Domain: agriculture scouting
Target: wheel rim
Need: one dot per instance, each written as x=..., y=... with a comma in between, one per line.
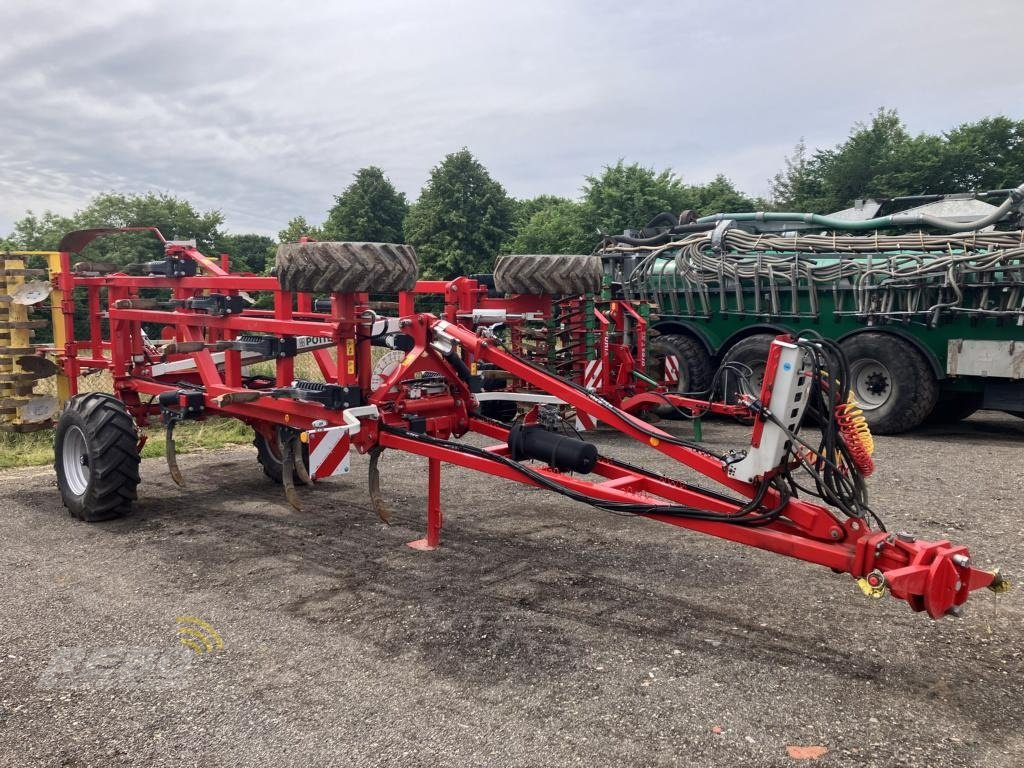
x=872, y=383
x=75, y=461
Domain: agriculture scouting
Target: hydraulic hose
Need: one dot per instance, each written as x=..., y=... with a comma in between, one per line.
x=660, y=239
x=882, y=222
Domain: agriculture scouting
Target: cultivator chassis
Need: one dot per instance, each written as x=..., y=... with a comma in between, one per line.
x=429, y=399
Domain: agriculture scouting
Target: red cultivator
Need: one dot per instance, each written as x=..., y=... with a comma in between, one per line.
x=431, y=386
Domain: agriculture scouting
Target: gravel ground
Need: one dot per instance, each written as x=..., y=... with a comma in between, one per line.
x=542, y=633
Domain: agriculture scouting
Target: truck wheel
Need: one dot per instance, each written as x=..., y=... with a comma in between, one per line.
x=892, y=382
x=687, y=358
x=548, y=273
x=96, y=457
x=269, y=457
x=752, y=353
x=346, y=267
x=954, y=407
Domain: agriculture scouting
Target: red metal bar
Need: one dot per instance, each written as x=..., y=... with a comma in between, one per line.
x=434, y=514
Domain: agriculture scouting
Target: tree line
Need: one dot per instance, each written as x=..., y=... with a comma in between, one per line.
x=463, y=217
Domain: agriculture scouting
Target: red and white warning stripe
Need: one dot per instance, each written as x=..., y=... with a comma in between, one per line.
x=671, y=369
x=592, y=374
x=328, y=452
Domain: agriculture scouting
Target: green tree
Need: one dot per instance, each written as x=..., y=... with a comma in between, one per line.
x=40, y=233
x=628, y=196
x=176, y=219
x=556, y=227
x=881, y=159
x=987, y=154
x=369, y=210
x=299, y=227
x=248, y=252
x=461, y=219
x=718, y=196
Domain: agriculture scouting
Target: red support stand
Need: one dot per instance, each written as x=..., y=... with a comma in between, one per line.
x=434, y=519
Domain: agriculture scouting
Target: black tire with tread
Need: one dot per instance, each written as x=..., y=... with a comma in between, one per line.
x=111, y=443
x=346, y=267
x=695, y=368
x=752, y=352
x=270, y=461
x=915, y=391
x=555, y=274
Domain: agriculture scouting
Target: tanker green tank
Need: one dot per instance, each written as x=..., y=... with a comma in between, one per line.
x=933, y=324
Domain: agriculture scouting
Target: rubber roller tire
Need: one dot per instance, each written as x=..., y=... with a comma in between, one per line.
x=346, y=267
x=96, y=457
x=541, y=274
x=891, y=380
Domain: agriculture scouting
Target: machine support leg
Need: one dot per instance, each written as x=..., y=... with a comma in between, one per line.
x=434, y=518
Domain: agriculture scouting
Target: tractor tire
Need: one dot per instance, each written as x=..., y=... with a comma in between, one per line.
x=891, y=380
x=555, y=274
x=695, y=371
x=346, y=267
x=269, y=458
x=954, y=407
x=96, y=457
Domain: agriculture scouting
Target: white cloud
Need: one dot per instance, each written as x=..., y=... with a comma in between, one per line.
x=265, y=110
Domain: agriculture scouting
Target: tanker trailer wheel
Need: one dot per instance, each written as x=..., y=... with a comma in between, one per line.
x=684, y=359
x=96, y=457
x=537, y=274
x=346, y=267
x=750, y=356
x=269, y=454
x=891, y=380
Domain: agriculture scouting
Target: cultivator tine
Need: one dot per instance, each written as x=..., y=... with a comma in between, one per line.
x=288, y=475
x=376, y=498
x=300, y=466
x=172, y=455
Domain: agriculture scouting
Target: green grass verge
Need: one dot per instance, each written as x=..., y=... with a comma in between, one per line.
x=35, y=448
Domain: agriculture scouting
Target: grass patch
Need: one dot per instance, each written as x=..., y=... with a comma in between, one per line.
x=36, y=448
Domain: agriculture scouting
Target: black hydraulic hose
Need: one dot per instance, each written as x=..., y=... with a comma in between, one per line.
x=665, y=219
x=459, y=365
x=742, y=516
x=660, y=239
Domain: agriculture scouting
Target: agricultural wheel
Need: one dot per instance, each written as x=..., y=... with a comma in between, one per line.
x=548, y=273
x=954, y=407
x=690, y=361
x=346, y=267
x=891, y=380
x=96, y=457
x=269, y=456
x=751, y=353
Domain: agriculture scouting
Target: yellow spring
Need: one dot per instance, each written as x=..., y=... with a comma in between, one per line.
x=854, y=427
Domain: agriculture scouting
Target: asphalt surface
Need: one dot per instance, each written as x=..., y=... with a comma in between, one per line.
x=542, y=633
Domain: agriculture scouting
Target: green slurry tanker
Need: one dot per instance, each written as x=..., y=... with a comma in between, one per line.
x=928, y=303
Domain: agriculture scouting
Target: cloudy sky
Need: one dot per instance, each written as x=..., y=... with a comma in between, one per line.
x=264, y=110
